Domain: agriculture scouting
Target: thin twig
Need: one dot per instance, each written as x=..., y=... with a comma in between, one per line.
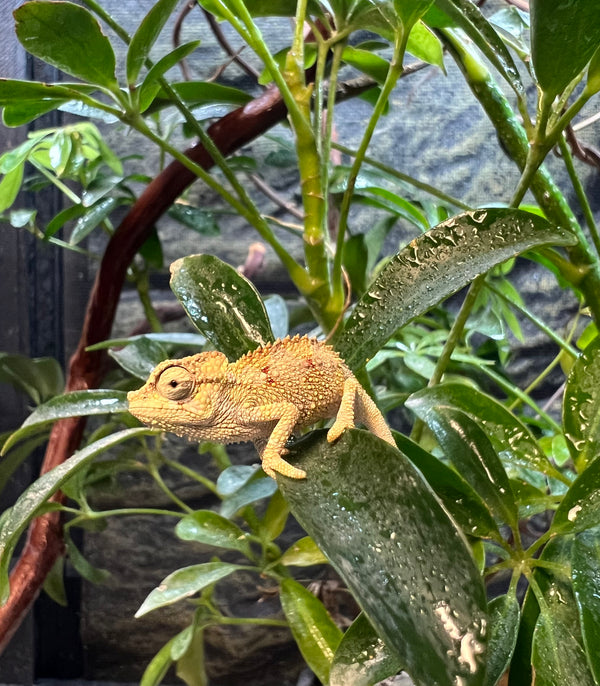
x=185, y=10
x=273, y=195
x=226, y=45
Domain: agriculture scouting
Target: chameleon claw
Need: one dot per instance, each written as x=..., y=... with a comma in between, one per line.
x=275, y=465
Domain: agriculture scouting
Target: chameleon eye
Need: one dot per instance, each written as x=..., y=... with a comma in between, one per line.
x=175, y=383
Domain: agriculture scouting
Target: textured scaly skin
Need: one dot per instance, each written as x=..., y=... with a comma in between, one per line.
x=262, y=397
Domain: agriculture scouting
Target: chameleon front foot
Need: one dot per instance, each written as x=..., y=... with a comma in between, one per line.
x=275, y=465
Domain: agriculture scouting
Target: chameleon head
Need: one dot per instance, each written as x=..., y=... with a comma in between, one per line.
x=182, y=395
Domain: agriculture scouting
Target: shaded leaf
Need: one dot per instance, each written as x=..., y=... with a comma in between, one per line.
x=40, y=377
x=564, y=36
x=580, y=507
x=405, y=561
x=185, y=582
x=205, y=526
x=74, y=404
x=35, y=498
x=585, y=561
x=303, y=553
x=222, y=303
x=275, y=518
x=64, y=34
x=504, y=626
x=313, y=629
x=362, y=658
x=158, y=666
x=190, y=665
x=140, y=357
x=196, y=218
x=12, y=459
x=192, y=340
x=433, y=267
x=581, y=406
x=256, y=489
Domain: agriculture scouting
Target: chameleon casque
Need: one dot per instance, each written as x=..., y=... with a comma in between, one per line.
x=262, y=397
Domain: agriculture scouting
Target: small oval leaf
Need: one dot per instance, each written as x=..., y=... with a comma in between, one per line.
x=436, y=265
x=405, y=561
x=205, y=526
x=303, y=553
x=223, y=304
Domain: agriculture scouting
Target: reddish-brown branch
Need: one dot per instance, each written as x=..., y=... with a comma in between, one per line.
x=44, y=542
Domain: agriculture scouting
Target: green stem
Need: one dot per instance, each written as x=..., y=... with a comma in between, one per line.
x=191, y=474
x=236, y=621
x=142, y=285
x=393, y=74
x=580, y=192
x=166, y=490
x=56, y=181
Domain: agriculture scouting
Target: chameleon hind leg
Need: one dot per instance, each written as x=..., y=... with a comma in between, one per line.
x=357, y=402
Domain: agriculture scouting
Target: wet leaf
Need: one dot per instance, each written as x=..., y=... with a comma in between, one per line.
x=222, y=303
x=303, y=553
x=140, y=357
x=433, y=267
x=405, y=561
x=34, y=499
x=209, y=528
x=471, y=452
x=313, y=629
x=196, y=218
x=362, y=658
x=469, y=510
x=580, y=506
x=585, y=561
x=74, y=404
x=520, y=673
x=515, y=444
x=257, y=488
x=581, y=406
x=185, y=582
x=63, y=35
x=504, y=626
x=564, y=36
x=145, y=36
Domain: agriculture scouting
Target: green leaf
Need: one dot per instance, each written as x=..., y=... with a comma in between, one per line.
x=74, y=404
x=513, y=441
x=434, y=266
x=54, y=584
x=303, y=553
x=196, y=93
x=581, y=406
x=504, y=626
x=593, y=77
x=184, y=583
x=585, y=571
x=222, y=303
x=275, y=518
x=471, y=452
x=94, y=216
x=520, y=673
x=362, y=658
x=564, y=36
x=469, y=510
x=10, y=187
x=205, y=526
x=469, y=18
x=256, y=488
x=159, y=665
x=67, y=37
x=140, y=357
x=404, y=560
x=580, y=506
x=40, y=377
x=313, y=629
x=369, y=63
x=426, y=46
x=410, y=11
x=185, y=340
x=279, y=317
x=92, y=574
x=14, y=91
x=191, y=664
x=196, y=218
x=150, y=86
x=34, y=499
x=12, y=459
x=145, y=37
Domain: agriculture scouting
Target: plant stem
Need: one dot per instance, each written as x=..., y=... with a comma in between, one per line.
x=580, y=192
x=142, y=285
x=393, y=74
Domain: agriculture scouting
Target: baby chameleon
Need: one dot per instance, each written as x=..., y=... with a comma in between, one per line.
x=262, y=397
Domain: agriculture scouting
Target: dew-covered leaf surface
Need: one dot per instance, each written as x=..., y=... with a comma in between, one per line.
x=403, y=558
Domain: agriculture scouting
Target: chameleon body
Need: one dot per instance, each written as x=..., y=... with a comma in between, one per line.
x=262, y=397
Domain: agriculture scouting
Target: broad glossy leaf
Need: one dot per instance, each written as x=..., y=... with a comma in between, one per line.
x=469, y=449
x=405, y=561
x=469, y=18
x=256, y=489
x=33, y=500
x=74, y=404
x=303, y=553
x=469, y=511
x=196, y=93
x=209, y=528
x=68, y=37
x=222, y=303
x=520, y=673
x=185, y=340
x=366, y=61
x=581, y=406
x=564, y=36
x=585, y=570
x=426, y=46
x=200, y=220
x=513, y=441
x=433, y=267
x=145, y=37
x=580, y=506
x=14, y=91
x=94, y=216
x=362, y=658
x=504, y=626
x=185, y=582
x=10, y=187
x=140, y=357
x=313, y=629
